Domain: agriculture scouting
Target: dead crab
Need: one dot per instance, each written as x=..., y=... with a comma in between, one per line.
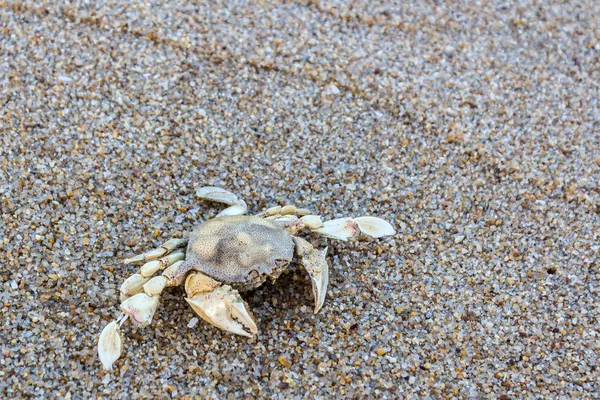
x=227, y=255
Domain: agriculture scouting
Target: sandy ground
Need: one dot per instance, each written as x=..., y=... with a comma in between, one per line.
x=474, y=128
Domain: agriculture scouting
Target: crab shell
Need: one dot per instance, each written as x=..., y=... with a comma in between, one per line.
x=241, y=251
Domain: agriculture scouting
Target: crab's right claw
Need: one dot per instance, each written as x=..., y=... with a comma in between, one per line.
x=224, y=308
x=110, y=345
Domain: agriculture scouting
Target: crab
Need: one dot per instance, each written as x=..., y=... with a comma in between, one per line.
x=225, y=256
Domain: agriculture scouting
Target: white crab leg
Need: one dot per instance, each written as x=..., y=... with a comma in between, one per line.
x=312, y=222
x=217, y=194
x=346, y=228
x=140, y=296
x=341, y=229
x=271, y=211
x=212, y=193
x=238, y=208
x=313, y=260
x=220, y=306
x=141, y=308
x=110, y=343
x=374, y=227
x=164, y=249
x=135, y=283
x=151, y=267
x=290, y=223
x=279, y=211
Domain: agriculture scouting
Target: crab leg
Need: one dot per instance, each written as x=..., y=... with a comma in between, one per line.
x=279, y=211
x=219, y=305
x=313, y=260
x=294, y=219
x=134, y=284
x=347, y=228
x=140, y=295
x=290, y=222
x=236, y=206
x=164, y=249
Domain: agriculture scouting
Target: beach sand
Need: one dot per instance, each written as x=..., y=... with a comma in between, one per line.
x=474, y=129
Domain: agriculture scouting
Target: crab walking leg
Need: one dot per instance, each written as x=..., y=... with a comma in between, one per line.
x=110, y=343
x=313, y=260
x=216, y=194
x=219, y=305
x=164, y=249
x=239, y=208
x=292, y=224
x=140, y=309
x=134, y=284
x=346, y=228
x=341, y=228
x=278, y=211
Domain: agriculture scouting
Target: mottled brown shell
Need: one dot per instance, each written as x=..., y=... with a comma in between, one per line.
x=241, y=250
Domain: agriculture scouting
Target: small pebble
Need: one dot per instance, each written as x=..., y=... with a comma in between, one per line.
x=284, y=362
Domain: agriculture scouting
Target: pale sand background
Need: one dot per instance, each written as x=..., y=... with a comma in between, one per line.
x=474, y=127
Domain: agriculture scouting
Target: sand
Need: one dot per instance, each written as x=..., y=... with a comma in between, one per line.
x=473, y=127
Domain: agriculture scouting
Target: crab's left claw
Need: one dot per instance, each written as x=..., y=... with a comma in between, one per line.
x=316, y=265
x=221, y=306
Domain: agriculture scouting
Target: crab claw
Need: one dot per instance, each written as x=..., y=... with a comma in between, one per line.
x=224, y=308
x=374, y=227
x=110, y=345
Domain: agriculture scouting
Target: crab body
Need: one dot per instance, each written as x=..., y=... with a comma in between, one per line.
x=225, y=256
x=242, y=251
